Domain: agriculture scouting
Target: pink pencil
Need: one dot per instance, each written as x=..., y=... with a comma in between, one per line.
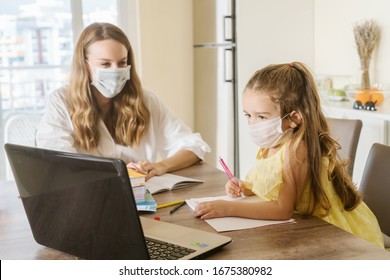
x=227, y=171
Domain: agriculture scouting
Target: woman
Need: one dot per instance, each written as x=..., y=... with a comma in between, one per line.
x=104, y=110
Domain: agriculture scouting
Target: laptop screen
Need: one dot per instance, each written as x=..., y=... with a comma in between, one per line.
x=79, y=204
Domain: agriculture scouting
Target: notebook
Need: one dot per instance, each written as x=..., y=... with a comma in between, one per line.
x=83, y=205
x=168, y=182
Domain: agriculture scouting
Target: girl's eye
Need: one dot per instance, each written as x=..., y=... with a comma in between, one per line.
x=247, y=116
x=106, y=64
x=123, y=63
x=261, y=117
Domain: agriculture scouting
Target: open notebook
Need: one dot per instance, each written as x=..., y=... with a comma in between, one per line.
x=168, y=182
x=83, y=205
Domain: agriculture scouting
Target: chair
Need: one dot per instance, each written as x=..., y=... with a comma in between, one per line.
x=375, y=184
x=347, y=133
x=20, y=128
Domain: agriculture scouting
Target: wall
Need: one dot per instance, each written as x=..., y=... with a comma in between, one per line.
x=334, y=43
x=269, y=32
x=336, y=56
x=165, y=48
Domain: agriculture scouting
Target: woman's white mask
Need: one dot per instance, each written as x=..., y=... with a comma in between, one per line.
x=110, y=81
x=267, y=134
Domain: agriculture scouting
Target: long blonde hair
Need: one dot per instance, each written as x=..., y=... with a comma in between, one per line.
x=130, y=116
x=293, y=87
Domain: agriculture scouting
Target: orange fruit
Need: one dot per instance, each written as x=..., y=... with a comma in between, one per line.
x=377, y=97
x=363, y=96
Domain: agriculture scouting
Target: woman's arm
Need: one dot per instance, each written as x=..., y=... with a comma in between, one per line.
x=177, y=146
x=174, y=136
x=179, y=160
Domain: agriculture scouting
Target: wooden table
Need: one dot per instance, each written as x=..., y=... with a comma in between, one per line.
x=309, y=238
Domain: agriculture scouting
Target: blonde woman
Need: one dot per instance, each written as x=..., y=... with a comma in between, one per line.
x=104, y=110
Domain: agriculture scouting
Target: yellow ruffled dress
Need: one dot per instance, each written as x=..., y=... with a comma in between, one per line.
x=265, y=179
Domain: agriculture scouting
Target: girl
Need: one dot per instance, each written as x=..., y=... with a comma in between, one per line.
x=105, y=111
x=297, y=168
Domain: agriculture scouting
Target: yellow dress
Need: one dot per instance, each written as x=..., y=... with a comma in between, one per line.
x=265, y=179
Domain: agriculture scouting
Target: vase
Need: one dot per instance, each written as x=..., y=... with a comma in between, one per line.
x=365, y=78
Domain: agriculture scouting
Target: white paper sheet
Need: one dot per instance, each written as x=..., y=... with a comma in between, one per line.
x=234, y=223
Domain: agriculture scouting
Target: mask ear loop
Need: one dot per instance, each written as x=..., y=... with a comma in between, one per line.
x=295, y=121
x=288, y=117
x=284, y=134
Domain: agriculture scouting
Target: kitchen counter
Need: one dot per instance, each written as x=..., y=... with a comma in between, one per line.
x=346, y=107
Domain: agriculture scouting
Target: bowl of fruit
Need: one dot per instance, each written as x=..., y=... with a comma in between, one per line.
x=368, y=99
x=335, y=94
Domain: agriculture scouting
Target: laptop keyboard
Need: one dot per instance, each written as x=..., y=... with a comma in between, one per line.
x=160, y=250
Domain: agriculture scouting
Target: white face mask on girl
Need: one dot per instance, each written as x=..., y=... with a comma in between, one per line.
x=110, y=81
x=267, y=134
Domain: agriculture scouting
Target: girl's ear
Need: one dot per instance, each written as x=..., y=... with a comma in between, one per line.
x=295, y=119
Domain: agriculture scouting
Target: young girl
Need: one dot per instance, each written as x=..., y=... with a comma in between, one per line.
x=297, y=168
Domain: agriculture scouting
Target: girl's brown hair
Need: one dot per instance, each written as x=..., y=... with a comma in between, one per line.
x=293, y=87
x=130, y=117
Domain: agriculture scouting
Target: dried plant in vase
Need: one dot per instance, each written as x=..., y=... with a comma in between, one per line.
x=366, y=37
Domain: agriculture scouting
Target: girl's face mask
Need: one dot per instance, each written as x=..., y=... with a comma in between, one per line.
x=110, y=81
x=267, y=134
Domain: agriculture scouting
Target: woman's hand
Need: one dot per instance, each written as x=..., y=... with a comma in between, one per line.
x=234, y=188
x=150, y=169
x=181, y=159
x=212, y=209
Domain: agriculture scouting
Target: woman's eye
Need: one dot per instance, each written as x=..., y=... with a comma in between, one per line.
x=123, y=63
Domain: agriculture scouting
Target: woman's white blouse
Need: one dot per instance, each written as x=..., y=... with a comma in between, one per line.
x=165, y=136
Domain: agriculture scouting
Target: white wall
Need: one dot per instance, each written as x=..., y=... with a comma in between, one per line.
x=165, y=46
x=335, y=51
x=269, y=32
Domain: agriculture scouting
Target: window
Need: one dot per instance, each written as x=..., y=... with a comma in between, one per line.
x=100, y=10
x=36, y=48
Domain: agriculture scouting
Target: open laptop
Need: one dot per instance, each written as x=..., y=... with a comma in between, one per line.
x=83, y=205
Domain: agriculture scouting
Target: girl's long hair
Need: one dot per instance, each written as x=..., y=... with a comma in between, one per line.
x=293, y=87
x=130, y=116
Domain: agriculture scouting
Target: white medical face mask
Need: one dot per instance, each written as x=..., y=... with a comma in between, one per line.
x=267, y=134
x=110, y=81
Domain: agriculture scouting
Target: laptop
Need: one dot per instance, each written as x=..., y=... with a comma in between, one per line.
x=83, y=205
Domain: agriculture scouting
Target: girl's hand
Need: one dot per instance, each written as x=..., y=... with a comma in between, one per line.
x=234, y=188
x=212, y=209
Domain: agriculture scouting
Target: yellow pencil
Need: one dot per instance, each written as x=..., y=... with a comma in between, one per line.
x=169, y=204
